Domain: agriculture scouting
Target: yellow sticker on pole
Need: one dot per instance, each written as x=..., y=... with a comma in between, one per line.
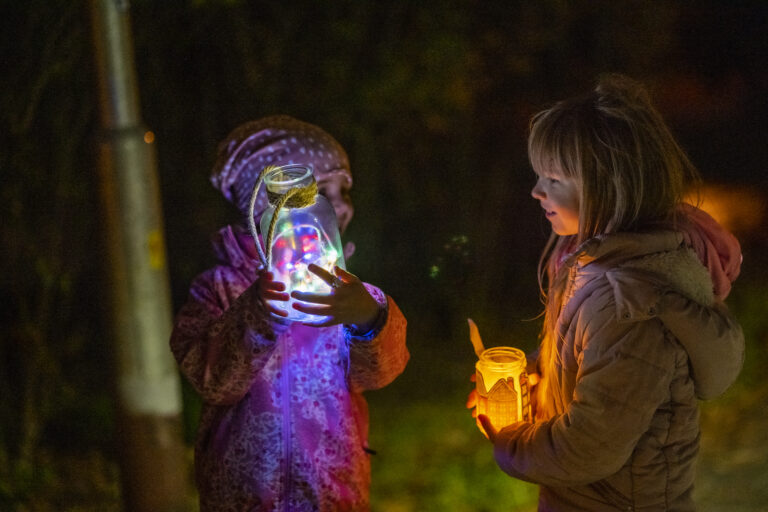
x=156, y=249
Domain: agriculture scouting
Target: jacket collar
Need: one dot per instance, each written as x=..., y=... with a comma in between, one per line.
x=610, y=250
x=640, y=267
x=234, y=245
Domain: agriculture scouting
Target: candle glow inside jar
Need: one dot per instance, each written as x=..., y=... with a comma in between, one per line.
x=502, y=387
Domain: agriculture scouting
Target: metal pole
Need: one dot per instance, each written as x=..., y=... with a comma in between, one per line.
x=149, y=432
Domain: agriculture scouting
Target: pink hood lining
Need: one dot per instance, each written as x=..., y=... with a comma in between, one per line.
x=718, y=249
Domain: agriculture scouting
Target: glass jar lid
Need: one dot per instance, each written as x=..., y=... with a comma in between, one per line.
x=500, y=358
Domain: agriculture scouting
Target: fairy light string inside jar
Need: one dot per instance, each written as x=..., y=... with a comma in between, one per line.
x=299, y=228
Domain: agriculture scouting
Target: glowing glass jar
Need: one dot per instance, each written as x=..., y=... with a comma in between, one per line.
x=298, y=227
x=502, y=387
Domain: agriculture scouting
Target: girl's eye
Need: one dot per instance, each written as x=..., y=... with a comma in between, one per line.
x=552, y=181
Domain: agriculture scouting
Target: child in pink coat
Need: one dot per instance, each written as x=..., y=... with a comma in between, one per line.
x=284, y=424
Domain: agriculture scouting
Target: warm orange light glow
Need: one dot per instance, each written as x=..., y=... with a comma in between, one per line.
x=737, y=208
x=502, y=387
x=149, y=137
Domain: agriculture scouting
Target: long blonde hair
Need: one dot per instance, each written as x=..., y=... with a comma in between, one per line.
x=631, y=173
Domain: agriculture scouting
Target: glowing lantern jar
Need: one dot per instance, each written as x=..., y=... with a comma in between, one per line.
x=502, y=387
x=298, y=227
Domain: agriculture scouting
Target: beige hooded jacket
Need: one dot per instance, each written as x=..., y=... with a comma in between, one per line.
x=642, y=339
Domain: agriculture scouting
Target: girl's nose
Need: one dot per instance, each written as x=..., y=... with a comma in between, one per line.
x=537, y=192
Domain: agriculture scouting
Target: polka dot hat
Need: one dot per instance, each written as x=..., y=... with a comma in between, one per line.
x=274, y=140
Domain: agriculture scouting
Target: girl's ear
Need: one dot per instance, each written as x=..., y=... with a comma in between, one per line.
x=349, y=250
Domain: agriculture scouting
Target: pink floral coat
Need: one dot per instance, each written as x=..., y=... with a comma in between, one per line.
x=284, y=424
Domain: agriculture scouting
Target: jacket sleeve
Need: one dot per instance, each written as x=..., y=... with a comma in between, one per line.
x=623, y=377
x=713, y=339
x=376, y=362
x=222, y=336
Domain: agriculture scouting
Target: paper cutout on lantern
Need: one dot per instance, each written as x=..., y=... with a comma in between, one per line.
x=508, y=399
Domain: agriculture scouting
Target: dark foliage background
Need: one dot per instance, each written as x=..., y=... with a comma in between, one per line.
x=431, y=99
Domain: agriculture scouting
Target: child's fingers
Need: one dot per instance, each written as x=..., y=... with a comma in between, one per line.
x=488, y=427
x=472, y=399
x=270, y=295
x=344, y=275
x=312, y=310
x=267, y=281
x=278, y=312
x=267, y=278
x=316, y=298
x=274, y=285
x=322, y=274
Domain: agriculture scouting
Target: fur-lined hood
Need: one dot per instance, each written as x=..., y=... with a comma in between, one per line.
x=656, y=275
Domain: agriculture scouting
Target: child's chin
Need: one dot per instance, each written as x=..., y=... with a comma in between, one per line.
x=562, y=232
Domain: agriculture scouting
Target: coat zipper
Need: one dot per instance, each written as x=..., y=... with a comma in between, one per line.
x=286, y=390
